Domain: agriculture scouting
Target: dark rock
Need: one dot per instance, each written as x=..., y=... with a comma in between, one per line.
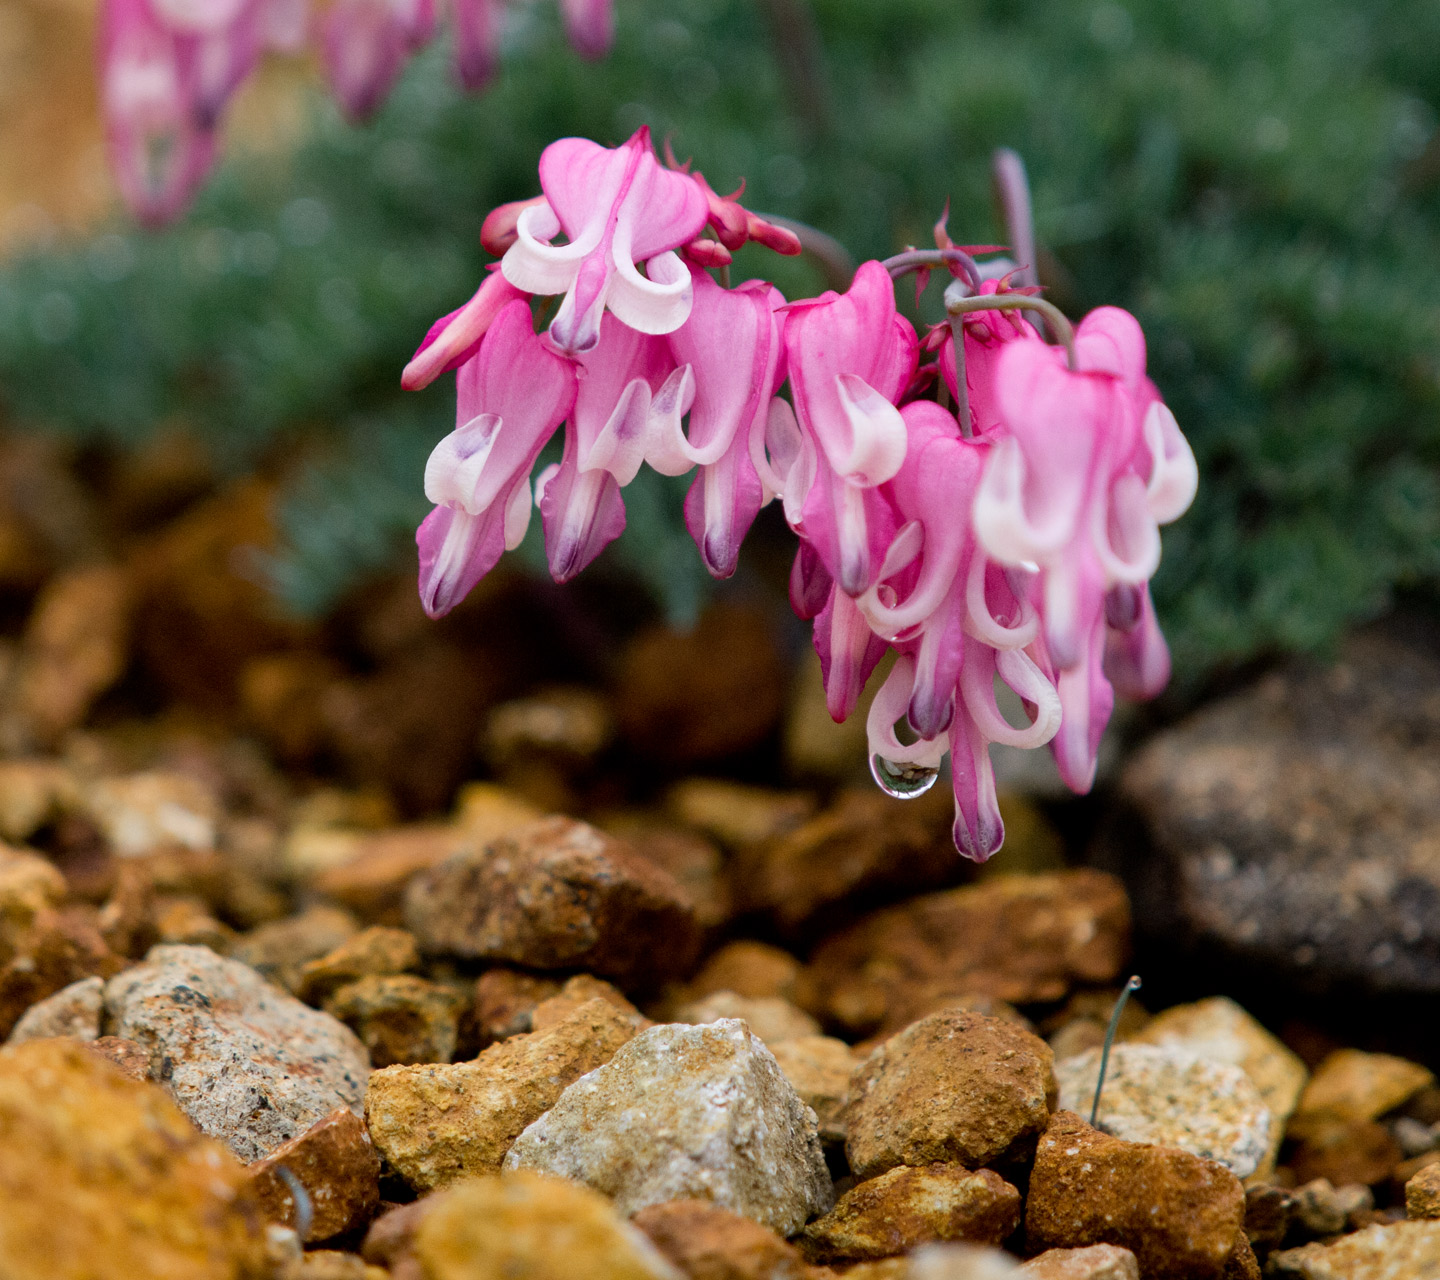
x=337, y=1166
x=710, y=1243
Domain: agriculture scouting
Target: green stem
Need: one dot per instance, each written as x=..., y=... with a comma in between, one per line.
x=917, y=259
x=1132, y=985
x=1062, y=327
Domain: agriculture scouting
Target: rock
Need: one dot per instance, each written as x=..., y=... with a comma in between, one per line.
x=335, y=1163
x=706, y=1242
x=505, y=1002
x=370, y=876
x=736, y=814
x=399, y=1018
x=247, y=1063
x=1220, y=1030
x=1400, y=1251
x=1022, y=939
x=577, y=991
x=332, y=1264
x=955, y=1086
x=751, y=969
x=1178, y=1213
x=1292, y=822
x=34, y=792
x=769, y=1017
x=71, y=1011
x=1347, y=1152
x=103, y=1177
x=907, y=1207
x=831, y=869
x=1269, y=1211
x=1422, y=1193
x=565, y=726
x=520, y=1224
x=131, y=1059
x=688, y=697
x=696, y=863
x=485, y=812
x=184, y=920
x=146, y=812
x=954, y=1262
x=1353, y=1086
x=684, y=1112
x=436, y=1124
x=1095, y=1262
x=1321, y=1209
x=1173, y=1099
x=60, y=947
x=281, y=950
x=390, y=1241
x=559, y=894
x=1414, y=1136
x=819, y=1068
x=376, y=950
x=28, y=885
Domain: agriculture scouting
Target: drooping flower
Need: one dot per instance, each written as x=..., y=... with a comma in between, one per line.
x=589, y=26
x=454, y=338
x=364, y=45
x=510, y=398
x=475, y=27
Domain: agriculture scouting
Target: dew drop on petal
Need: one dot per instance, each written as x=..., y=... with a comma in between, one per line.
x=901, y=779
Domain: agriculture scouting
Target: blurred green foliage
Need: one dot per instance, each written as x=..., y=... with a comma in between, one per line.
x=1251, y=177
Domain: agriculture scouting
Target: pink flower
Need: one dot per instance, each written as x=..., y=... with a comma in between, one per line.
x=510, y=398
x=617, y=208
x=364, y=45
x=850, y=358
x=475, y=33
x=589, y=25
x=454, y=338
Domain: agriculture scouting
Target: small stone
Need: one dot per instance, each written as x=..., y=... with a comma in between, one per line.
x=132, y=1059
x=1400, y=1251
x=332, y=1264
x=685, y=1112
x=505, y=1002
x=337, y=1166
x=28, y=885
x=71, y=1011
x=1269, y=1211
x=370, y=876
x=247, y=1063
x=1220, y=1030
x=955, y=1262
x=1095, y=1262
x=751, y=969
x=1422, y=1193
x=696, y=863
x=399, y=1018
x=736, y=814
x=1178, y=1213
x=1354, y=1086
x=955, y=1086
x=185, y=920
x=436, y=1124
x=376, y=950
x=559, y=894
x=907, y=1207
x=1022, y=939
x=146, y=812
x=103, y=1177
x=485, y=812
x=1347, y=1152
x=579, y=990
x=819, y=1068
x=1414, y=1137
x=523, y=1224
x=1317, y=1208
x=1170, y=1098
x=569, y=726
x=281, y=950
x=707, y=1242
x=34, y=792
x=60, y=947
x=769, y=1017
x=391, y=1237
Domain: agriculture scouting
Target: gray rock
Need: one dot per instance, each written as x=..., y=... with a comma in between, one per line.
x=1397, y=1251
x=247, y=1063
x=1293, y=823
x=71, y=1011
x=687, y=1112
x=1172, y=1099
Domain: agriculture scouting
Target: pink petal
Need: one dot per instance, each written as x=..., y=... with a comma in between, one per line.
x=454, y=338
x=979, y=831
x=583, y=513
x=849, y=651
x=589, y=26
x=721, y=506
x=475, y=27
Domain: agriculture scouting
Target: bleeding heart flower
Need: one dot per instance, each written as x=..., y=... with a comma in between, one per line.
x=364, y=45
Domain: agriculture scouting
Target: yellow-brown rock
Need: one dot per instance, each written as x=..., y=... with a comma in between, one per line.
x=710, y=1243
x=336, y=1164
x=1422, y=1193
x=399, y=1018
x=103, y=1177
x=374, y=950
x=1353, y=1086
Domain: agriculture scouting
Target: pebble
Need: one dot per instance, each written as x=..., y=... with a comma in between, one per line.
x=1400, y=1251
x=695, y=861
x=248, y=1064
x=60, y=947
x=1022, y=939
x=1178, y=1213
x=434, y=1124
x=370, y=876
x=957, y=1262
x=1350, y=1085
x=399, y=1018
x=1220, y=1030
x=769, y=1017
x=338, y=1167
x=34, y=792
x=568, y=726
x=1346, y=1151
x=1171, y=1098
x=28, y=884
x=1269, y=1211
x=735, y=813
x=103, y=1177
x=752, y=969
x=907, y=1207
x=281, y=949
x=1422, y=1193
x=956, y=1086
x=686, y=1111
x=1322, y=1209
x=71, y=1011
x=331, y=1264
x=577, y=991
x=819, y=1068
x=707, y=1242
x=376, y=950
x=521, y=1224
x=505, y=1002
x=1094, y=1262
x=144, y=813
x=558, y=894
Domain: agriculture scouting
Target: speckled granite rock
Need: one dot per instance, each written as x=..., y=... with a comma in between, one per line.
x=1400, y=1251
x=247, y=1063
x=684, y=1111
x=1172, y=1099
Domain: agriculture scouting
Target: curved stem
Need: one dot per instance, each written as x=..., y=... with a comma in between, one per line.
x=832, y=257
x=1062, y=327
x=1131, y=986
x=918, y=259
x=962, y=388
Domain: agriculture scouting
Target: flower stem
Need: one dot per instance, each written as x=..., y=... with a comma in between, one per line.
x=1064, y=330
x=918, y=259
x=962, y=388
x=1131, y=986
x=832, y=257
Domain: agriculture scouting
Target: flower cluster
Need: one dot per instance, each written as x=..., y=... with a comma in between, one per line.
x=169, y=67
x=1011, y=538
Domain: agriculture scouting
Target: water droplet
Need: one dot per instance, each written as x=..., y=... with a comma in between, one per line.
x=901, y=779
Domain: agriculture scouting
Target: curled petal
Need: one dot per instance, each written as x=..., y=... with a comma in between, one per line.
x=877, y=433
x=981, y=583
x=620, y=446
x=721, y=506
x=457, y=549
x=1001, y=520
x=1019, y=671
x=1174, y=476
x=785, y=458
x=1123, y=533
x=501, y=226
x=454, y=338
x=667, y=450
x=583, y=513
x=903, y=770
x=1137, y=661
x=849, y=652
x=657, y=302
x=979, y=830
